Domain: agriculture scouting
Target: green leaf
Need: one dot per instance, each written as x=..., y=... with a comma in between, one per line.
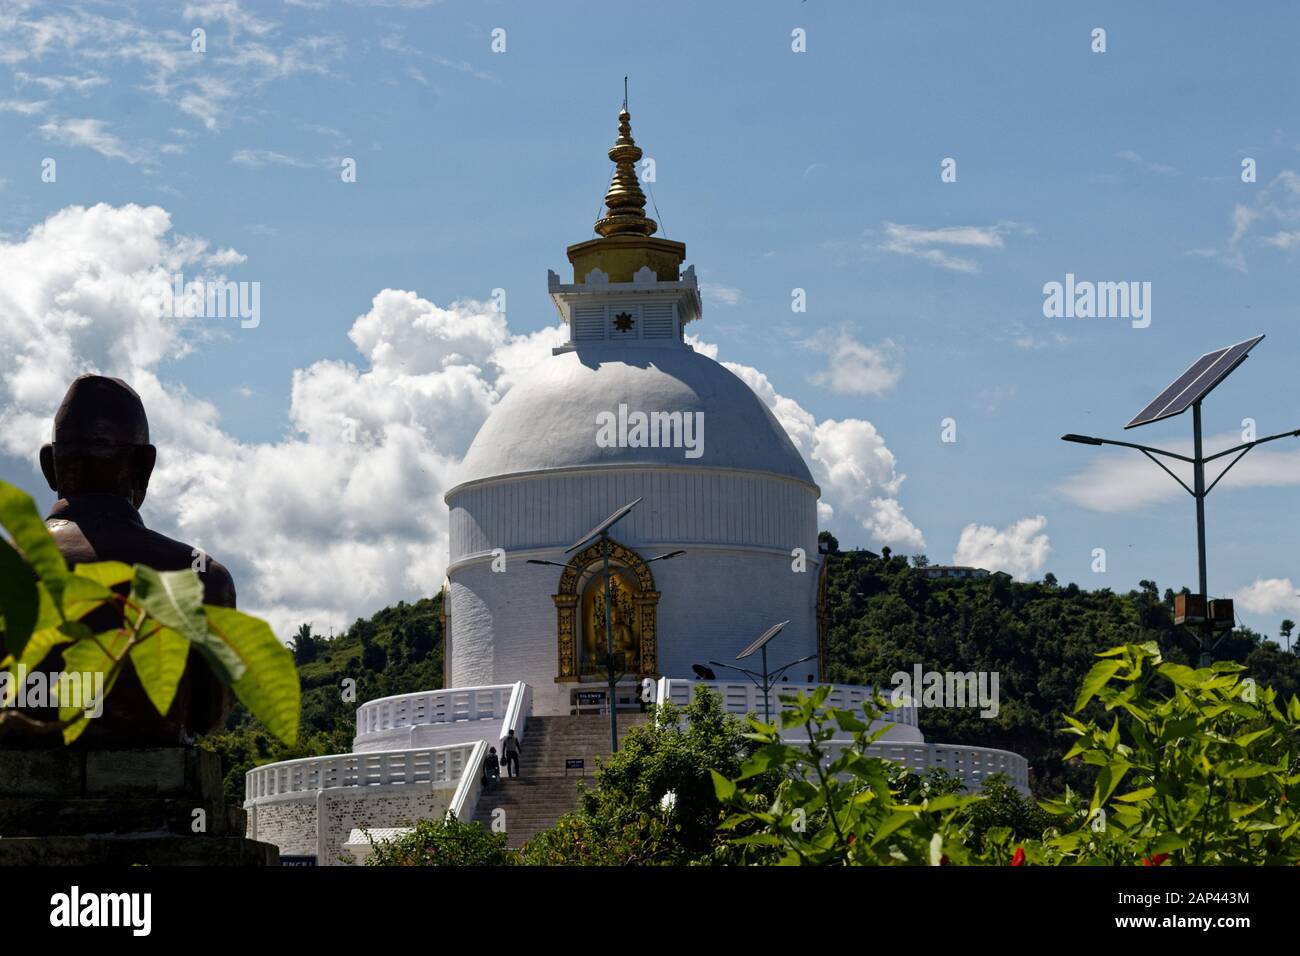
x=723, y=788
x=159, y=662
x=175, y=600
x=1097, y=678
x=18, y=516
x=268, y=685
x=765, y=758
x=20, y=603
x=88, y=657
x=1182, y=675
x=106, y=573
x=81, y=595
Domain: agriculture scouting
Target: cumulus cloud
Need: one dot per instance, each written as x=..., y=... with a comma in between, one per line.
x=314, y=525
x=1269, y=596
x=857, y=369
x=1020, y=549
x=850, y=462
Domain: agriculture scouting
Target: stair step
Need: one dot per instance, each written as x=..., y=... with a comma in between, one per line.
x=543, y=792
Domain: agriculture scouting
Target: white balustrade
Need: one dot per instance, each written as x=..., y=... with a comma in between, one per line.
x=742, y=697
x=431, y=765
x=972, y=765
x=433, y=707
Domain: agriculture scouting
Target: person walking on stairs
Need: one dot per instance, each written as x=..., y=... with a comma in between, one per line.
x=510, y=750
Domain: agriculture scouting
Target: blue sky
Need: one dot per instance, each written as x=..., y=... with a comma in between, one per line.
x=779, y=170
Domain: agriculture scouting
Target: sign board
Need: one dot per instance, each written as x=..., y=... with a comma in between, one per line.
x=575, y=763
x=292, y=860
x=587, y=698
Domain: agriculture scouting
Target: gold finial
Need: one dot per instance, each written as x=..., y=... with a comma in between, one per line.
x=624, y=201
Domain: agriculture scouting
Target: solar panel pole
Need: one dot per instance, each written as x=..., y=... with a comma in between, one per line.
x=1198, y=483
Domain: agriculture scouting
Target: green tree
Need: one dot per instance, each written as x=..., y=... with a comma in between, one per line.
x=305, y=646
x=446, y=842
x=654, y=802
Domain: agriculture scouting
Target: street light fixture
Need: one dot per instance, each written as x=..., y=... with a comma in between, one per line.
x=1188, y=391
x=766, y=679
x=609, y=661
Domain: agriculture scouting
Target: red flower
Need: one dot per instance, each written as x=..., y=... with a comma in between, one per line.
x=1155, y=860
x=1019, y=858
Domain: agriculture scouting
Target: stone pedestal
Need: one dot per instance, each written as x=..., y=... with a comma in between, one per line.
x=155, y=806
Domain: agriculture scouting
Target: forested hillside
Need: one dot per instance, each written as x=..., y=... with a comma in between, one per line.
x=1039, y=637
x=884, y=616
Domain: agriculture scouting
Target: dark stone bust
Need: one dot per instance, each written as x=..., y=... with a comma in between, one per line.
x=99, y=464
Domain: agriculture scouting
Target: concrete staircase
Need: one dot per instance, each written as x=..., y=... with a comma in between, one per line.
x=542, y=792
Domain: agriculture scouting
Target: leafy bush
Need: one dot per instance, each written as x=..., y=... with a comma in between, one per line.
x=1197, y=766
x=654, y=802
x=835, y=808
x=446, y=842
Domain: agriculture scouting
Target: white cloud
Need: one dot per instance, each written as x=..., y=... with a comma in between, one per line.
x=23, y=107
x=1270, y=220
x=213, y=87
x=58, y=84
x=225, y=258
x=935, y=245
x=314, y=525
x=94, y=134
x=257, y=158
x=857, y=369
x=1269, y=596
x=1131, y=157
x=856, y=471
x=1020, y=550
x=716, y=294
x=1119, y=481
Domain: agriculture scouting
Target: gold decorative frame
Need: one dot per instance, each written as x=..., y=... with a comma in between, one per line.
x=566, y=604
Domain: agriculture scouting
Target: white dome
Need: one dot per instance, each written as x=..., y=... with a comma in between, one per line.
x=549, y=420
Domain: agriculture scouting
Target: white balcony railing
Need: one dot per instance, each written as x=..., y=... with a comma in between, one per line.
x=742, y=697
x=972, y=765
x=431, y=765
x=433, y=707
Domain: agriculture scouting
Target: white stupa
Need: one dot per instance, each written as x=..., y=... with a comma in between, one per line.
x=625, y=411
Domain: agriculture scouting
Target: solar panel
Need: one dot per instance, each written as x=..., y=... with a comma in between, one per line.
x=604, y=525
x=1194, y=384
x=770, y=633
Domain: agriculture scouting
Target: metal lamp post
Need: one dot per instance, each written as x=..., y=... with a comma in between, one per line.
x=766, y=679
x=1188, y=390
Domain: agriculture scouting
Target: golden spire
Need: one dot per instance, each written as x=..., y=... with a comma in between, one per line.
x=626, y=244
x=624, y=201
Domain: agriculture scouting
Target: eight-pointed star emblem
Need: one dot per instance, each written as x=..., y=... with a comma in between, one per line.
x=624, y=322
